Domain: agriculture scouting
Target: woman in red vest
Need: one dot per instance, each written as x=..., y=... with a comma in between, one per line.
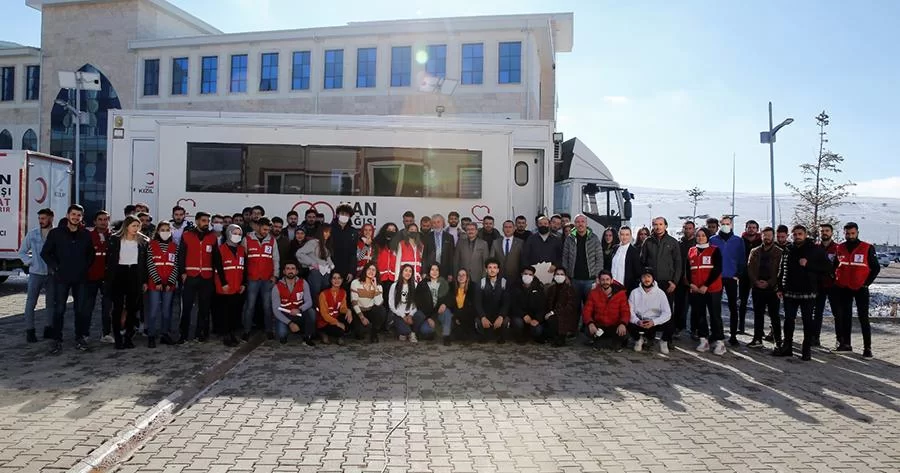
x=408, y=248
x=162, y=280
x=364, y=248
x=230, y=266
x=704, y=272
x=385, y=258
x=334, y=316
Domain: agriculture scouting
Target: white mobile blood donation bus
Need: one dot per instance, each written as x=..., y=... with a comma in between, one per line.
x=221, y=162
x=29, y=181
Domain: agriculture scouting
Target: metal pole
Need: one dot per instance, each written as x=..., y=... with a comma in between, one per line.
x=772, y=164
x=77, y=159
x=733, y=181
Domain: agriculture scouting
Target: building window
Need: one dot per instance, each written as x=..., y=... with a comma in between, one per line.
x=209, y=75
x=472, y=64
x=436, y=65
x=7, y=84
x=334, y=69
x=520, y=173
x=5, y=139
x=510, y=63
x=151, y=77
x=300, y=72
x=180, y=76
x=333, y=170
x=239, y=73
x=29, y=140
x=401, y=66
x=268, y=72
x=32, y=82
x=365, y=67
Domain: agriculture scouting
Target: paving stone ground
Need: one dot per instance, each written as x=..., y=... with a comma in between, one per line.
x=465, y=408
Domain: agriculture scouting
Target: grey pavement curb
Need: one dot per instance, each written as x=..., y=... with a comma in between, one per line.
x=117, y=449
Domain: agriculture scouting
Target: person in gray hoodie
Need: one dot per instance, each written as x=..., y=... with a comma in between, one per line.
x=650, y=312
x=38, y=274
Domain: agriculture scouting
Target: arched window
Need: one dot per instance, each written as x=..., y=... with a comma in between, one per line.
x=5, y=139
x=29, y=140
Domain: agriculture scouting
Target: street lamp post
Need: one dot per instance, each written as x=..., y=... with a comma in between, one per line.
x=79, y=81
x=769, y=137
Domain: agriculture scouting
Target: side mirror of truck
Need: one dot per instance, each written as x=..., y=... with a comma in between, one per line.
x=626, y=210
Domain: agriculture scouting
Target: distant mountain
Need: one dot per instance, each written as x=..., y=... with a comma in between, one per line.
x=878, y=218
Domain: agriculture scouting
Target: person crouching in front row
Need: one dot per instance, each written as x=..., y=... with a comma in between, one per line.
x=528, y=308
x=334, y=315
x=432, y=301
x=292, y=306
x=230, y=265
x=606, y=313
x=367, y=300
x=401, y=302
x=492, y=305
x=650, y=312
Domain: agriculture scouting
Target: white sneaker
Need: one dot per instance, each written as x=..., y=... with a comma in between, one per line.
x=703, y=347
x=719, y=348
x=639, y=344
x=402, y=338
x=412, y=338
x=108, y=339
x=664, y=347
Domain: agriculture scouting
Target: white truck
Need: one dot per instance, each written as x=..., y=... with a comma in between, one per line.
x=29, y=181
x=221, y=162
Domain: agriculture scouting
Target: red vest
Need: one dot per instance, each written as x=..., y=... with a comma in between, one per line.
x=333, y=308
x=164, y=262
x=291, y=298
x=831, y=251
x=233, y=266
x=261, y=266
x=198, y=260
x=701, y=263
x=408, y=254
x=97, y=271
x=387, y=262
x=853, y=267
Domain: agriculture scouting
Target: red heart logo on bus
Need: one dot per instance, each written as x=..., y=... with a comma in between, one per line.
x=480, y=211
x=319, y=206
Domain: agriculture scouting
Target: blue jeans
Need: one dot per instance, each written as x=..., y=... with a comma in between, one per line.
x=36, y=282
x=520, y=329
x=307, y=322
x=317, y=282
x=403, y=329
x=258, y=290
x=582, y=289
x=61, y=292
x=159, y=313
x=90, y=301
x=446, y=320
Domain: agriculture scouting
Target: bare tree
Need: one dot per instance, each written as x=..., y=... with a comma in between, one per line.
x=696, y=194
x=818, y=192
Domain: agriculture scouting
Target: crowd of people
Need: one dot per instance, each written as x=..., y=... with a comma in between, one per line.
x=433, y=278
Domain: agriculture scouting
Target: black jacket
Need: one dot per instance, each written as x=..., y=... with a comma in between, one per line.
x=633, y=267
x=537, y=250
x=493, y=300
x=529, y=301
x=448, y=252
x=664, y=256
x=68, y=254
x=469, y=311
x=344, y=248
x=112, y=257
x=799, y=282
x=423, y=299
x=686, y=245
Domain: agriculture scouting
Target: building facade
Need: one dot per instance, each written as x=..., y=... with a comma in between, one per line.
x=154, y=56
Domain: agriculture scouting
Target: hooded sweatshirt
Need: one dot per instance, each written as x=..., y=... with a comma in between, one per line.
x=649, y=305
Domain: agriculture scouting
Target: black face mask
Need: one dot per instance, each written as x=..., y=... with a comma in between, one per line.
x=390, y=234
x=413, y=234
x=543, y=230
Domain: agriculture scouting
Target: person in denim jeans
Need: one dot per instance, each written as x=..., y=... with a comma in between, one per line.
x=262, y=273
x=432, y=300
x=401, y=302
x=162, y=280
x=292, y=306
x=97, y=275
x=38, y=275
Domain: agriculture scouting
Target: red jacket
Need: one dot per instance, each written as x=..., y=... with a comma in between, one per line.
x=607, y=311
x=97, y=271
x=387, y=260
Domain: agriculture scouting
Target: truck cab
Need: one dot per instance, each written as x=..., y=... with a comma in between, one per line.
x=583, y=184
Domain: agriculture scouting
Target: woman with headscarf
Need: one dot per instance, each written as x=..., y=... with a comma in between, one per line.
x=161, y=283
x=229, y=265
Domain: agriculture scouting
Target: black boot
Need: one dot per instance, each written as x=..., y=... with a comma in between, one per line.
x=48, y=333
x=786, y=349
x=806, y=353
x=30, y=336
x=151, y=342
x=128, y=342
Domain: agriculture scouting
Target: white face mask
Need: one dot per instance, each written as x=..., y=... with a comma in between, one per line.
x=559, y=278
x=343, y=219
x=236, y=238
x=165, y=235
x=725, y=228
x=527, y=278
x=217, y=227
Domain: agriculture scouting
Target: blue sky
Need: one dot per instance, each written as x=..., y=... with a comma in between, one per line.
x=666, y=91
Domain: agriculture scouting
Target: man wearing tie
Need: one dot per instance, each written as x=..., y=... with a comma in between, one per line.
x=508, y=250
x=439, y=248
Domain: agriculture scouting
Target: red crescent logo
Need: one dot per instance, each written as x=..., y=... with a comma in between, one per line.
x=150, y=180
x=480, y=211
x=43, y=184
x=318, y=206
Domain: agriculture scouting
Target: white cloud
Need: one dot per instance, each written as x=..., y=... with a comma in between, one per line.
x=615, y=99
x=885, y=187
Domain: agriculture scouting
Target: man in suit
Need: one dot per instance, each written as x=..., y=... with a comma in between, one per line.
x=472, y=253
x=626, y=264
x=439, y=248
x=508, y=250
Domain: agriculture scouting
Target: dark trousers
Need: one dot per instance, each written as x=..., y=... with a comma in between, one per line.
x=199, y=290
x=376, y=316
x=709, y=304
x=668, y=330
x=744, y=289
x=823, y=296
x=805, y=306
x=766, y=300
x=126, y=297
x=649, y=333
x=61, y=292
x=679, y=316
x=845, y=299
x=388, y=321
x=90, y=301
x=232, y=309
x=610, y=339
x=332, y=331
x=730, y=286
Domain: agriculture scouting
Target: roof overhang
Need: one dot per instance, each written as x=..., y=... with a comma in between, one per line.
x=22, y=51
x=160, y=4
